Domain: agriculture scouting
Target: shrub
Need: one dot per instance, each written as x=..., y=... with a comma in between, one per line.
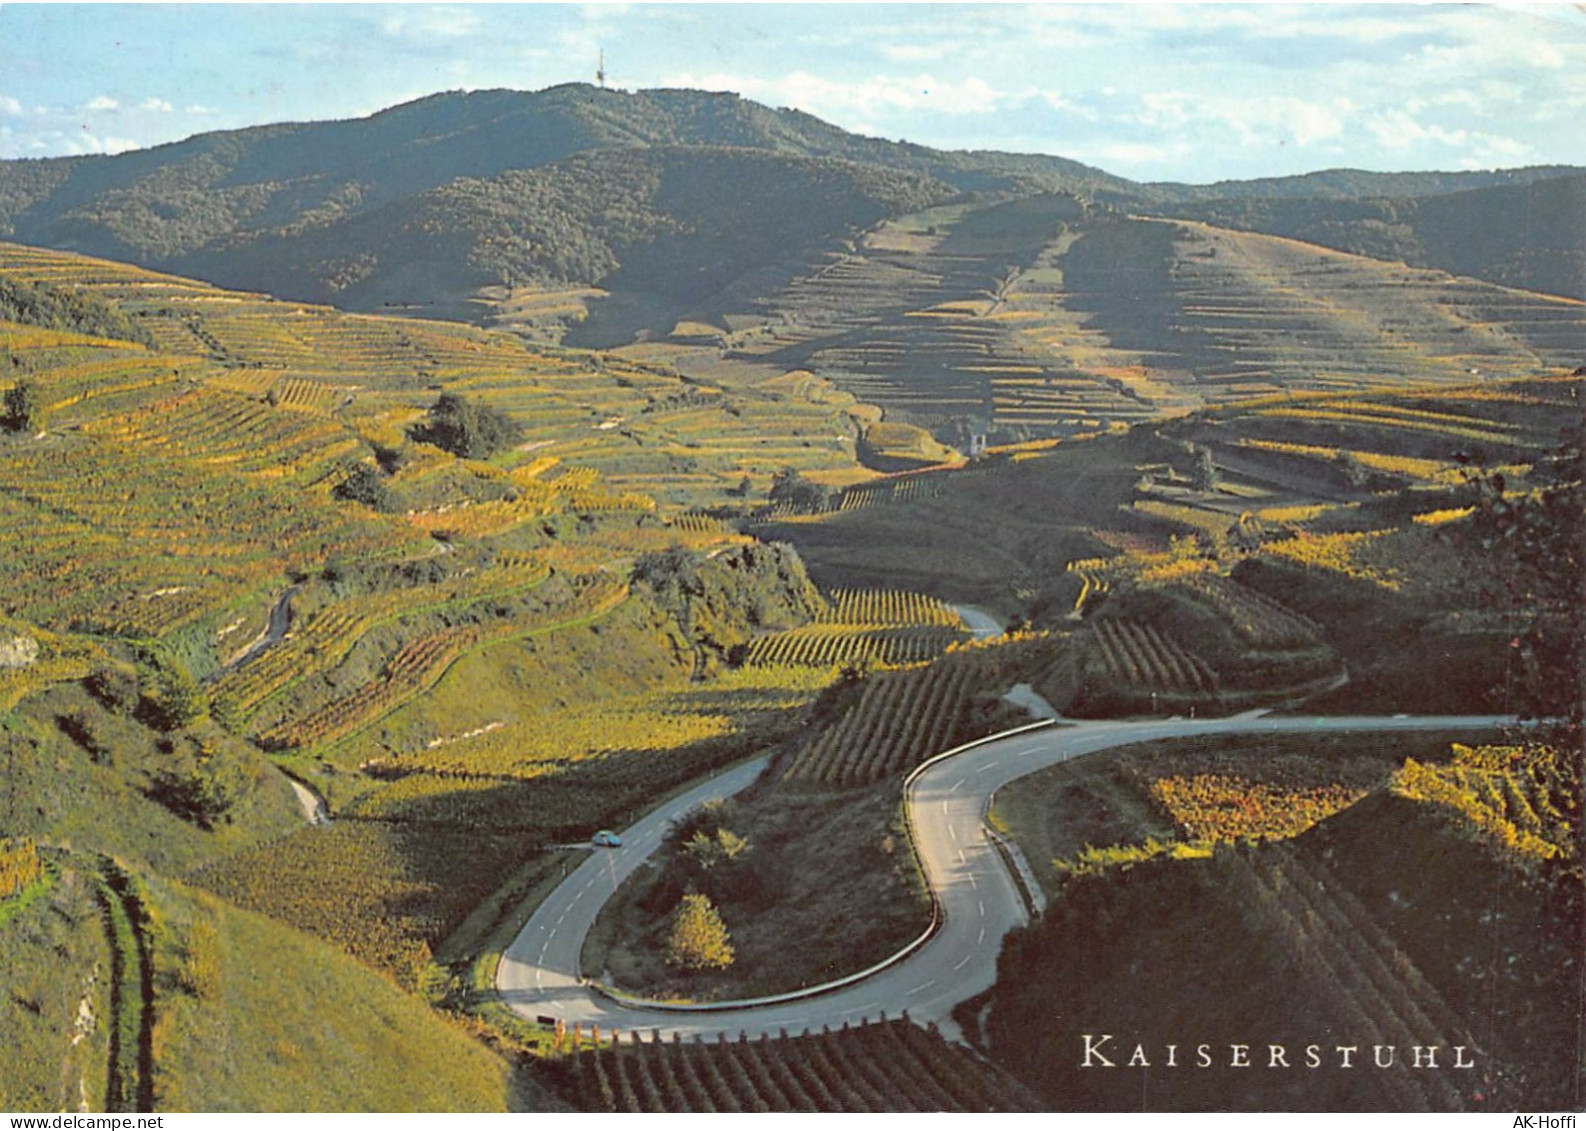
x=178, y=700
x=115, y=688
x=364, y=484
x=467, y=428
x=200, y=973
x=699, y=939
x=25, y=410
x=800, y=493
x=69, y=309
x=21, y=866
x=203, y=794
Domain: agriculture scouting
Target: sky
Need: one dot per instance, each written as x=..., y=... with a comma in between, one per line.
x=1149, y=91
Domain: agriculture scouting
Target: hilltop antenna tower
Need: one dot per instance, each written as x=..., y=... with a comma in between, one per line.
x=600, y=70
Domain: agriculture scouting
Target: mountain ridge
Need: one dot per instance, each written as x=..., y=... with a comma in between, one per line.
x=549, y=187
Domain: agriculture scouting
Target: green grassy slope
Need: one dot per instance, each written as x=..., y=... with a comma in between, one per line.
x=130, y=994
x=253, y=1016
x=70, y=760
x=55, y=963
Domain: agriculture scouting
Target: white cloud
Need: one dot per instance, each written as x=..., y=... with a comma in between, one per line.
x=1462, y=98
x=1499, y=50
x=918, y=52
x=80, y=142
x=156, y=105
x=199, y=108
x=1056, y=101
x=1481, y=38
x=10, y=106
x=1396, y=129
x=1495, y=151
x=1254, y=120
x=424, y=23
x=1313, y=122
x=103, y=103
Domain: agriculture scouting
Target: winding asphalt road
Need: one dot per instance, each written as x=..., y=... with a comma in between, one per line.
x=539, y=974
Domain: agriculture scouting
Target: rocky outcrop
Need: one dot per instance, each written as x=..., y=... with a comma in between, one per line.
x=18, y=651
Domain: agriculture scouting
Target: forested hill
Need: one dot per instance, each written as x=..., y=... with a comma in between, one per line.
x=668, y=192
x=211, y=203
x=1355, y=184
x=1525, y=229
x=683, y=221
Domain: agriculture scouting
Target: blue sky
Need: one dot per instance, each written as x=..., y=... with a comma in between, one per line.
x=1154, y=92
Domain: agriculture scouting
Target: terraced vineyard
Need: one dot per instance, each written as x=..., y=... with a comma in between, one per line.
x=419, y=662
x=1411, y=436
x=641, y=425
x=1350, y=958
x=1260, y=621
x=161, y=528
x=867, y=627
x=917, y=320
x=180, y=452
x=892, y=1066
x=1143, y=658
x=326, y=637
x=832, y=645
x=1252, y=315
x=1223, y=807
x=901, y=490
x=901, y=718
x=887, y=607
x=1521, y=797
x=189, y=498
x=1043, y=318
x=1349, y=553
x=657, y=723
x=399, y=869
x=460, y=597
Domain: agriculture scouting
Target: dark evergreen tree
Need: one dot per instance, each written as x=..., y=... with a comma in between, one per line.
x=468, y=428
x=1205, y=475
x=364, y=484
x=799, y=492
x=25, y=410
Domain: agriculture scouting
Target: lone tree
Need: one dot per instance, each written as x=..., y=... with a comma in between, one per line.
x=176, y=698
x=467, y=428
x=699, y=939
x=800, y=493
x=1354, y=472
x=25, y=410
x=364, y=484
